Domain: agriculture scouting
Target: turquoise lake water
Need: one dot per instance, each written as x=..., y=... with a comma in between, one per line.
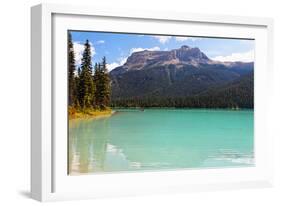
x=156, y=139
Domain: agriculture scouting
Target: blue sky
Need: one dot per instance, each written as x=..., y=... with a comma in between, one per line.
x=117, y=47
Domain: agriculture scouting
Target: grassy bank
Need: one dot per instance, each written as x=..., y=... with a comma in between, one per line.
x=88, y=113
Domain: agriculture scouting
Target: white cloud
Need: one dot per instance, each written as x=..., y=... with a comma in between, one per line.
x=79, y=49
x=100, y=42
x=113, y=65
x=185, y=38
x=165, y=39
x=156, y=48
x=123, y=60
x=162, y=39
x=243, y=57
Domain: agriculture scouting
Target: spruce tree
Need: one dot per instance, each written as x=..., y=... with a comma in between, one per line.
x=76, y=92
x=106, y=84
x=102, y=81
x=97, y=78
x=71, y=70
x=86, y=83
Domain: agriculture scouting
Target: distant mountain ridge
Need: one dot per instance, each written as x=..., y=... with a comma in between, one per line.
x=185, y=55
x=178, y=73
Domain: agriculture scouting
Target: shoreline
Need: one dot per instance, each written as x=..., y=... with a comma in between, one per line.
x=184, y=108
x=93, y=114
x=96, y=114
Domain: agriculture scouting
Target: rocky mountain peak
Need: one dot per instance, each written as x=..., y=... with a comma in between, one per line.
x=191, y=54
x=183, y=55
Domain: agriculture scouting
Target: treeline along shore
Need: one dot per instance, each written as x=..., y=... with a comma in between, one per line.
x=89, y=88
x=238, y=94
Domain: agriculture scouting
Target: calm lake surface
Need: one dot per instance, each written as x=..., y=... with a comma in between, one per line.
x=155, y=139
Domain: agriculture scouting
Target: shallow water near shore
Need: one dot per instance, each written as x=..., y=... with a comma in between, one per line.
x=156, y=139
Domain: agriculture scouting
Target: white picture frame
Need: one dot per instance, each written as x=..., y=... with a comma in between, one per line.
x=49, y=179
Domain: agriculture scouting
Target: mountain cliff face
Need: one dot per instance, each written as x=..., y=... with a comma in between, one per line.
x=147, y=59
x=179, y=73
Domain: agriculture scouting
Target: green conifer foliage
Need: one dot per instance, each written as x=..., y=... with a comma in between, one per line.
x=103, y=89
x=86, y=84
x=71, y=75
x=87, y=91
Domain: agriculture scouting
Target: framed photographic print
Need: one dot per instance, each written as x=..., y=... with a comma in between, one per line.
x=135, y=102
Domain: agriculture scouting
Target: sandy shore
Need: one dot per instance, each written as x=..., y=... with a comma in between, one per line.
x=92, y=115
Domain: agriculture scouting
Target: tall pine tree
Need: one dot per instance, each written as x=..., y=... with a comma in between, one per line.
x=86, y=83
x=106, y=84
x=97, y=80
x=71, y=75
x=102, y=80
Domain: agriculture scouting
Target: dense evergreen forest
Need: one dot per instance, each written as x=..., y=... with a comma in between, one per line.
x=234, y=95
x=221, y=101
x=89, y=88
